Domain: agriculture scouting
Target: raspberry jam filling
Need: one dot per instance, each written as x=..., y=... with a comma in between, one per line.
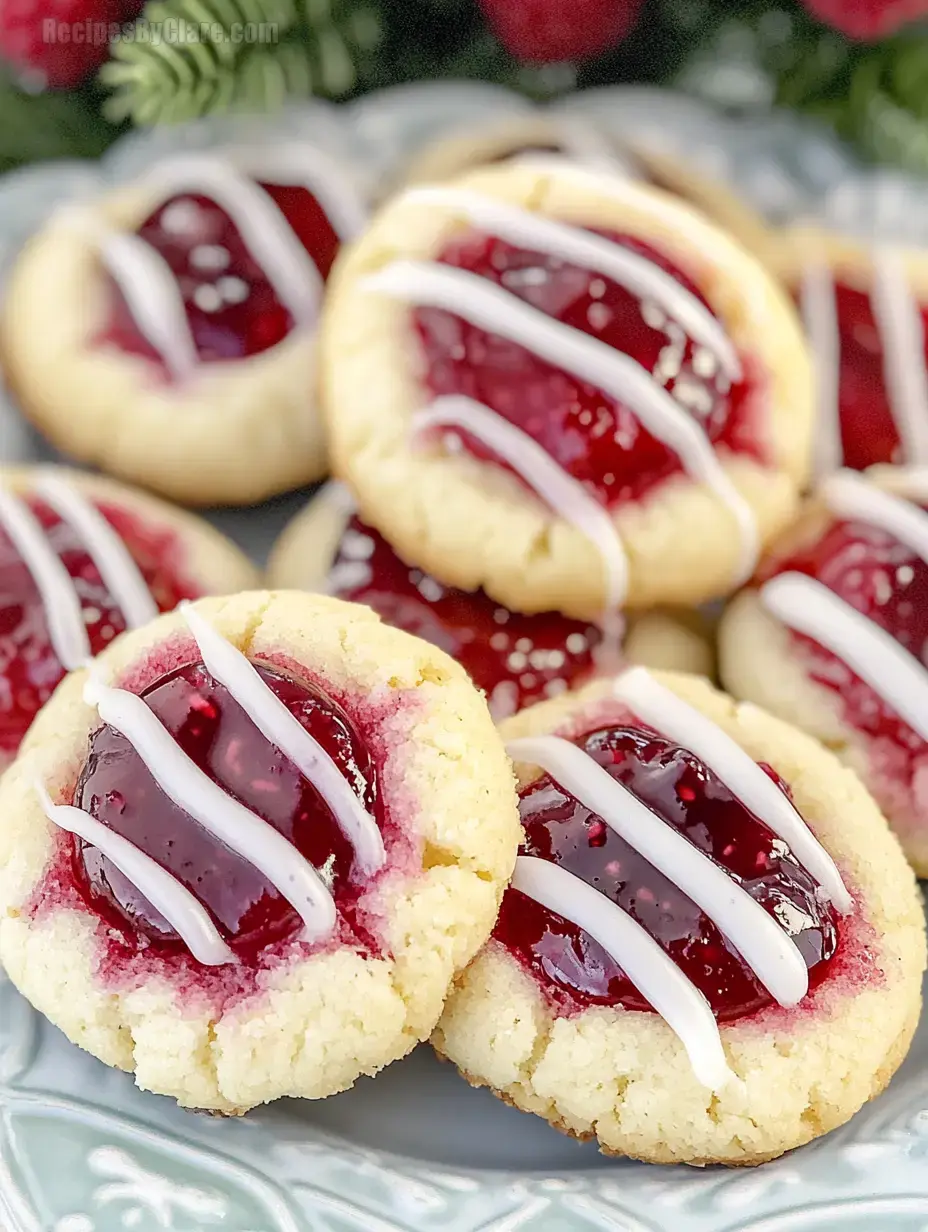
x=215, y=732
x=888, y=583
x=232, y=307
x=868, y=431
x=573, y=969
x=516, y=659
x=594, y=438
x=29, y=667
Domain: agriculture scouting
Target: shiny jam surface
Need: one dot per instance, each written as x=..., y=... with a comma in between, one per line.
x=596, y=439
x=888, y=582
x=232, y=307
x=29, y=667
x=573, y=969
x=213, y=730
x=516, y=659
x=868, y=432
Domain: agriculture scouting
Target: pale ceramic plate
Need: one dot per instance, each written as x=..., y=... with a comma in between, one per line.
x=416, y=1150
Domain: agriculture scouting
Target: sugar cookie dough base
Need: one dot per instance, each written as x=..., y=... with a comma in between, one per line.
x=231, y=433
x=895, y=1057
x=314, y=1022
x=623, y=1076
x=472, y=524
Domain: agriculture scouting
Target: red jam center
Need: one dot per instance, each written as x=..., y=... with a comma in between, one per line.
x=515, y=659
x=868, y=431
x=575, y=971
x=214, y=731
x=595, y=438
x=886, y=581
x=29, y=667
x=232, y=307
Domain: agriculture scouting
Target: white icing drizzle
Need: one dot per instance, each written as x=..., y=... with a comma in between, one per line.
x=591, y=252
x=189, y=919
x=309, y=167
x=114, y=562
x=63, y=614
x=641, y=197
x=903, y=336
x=224, y=817
x=232, y=669
x=674, y=718
x=769, y=952
x=656, y=976
x=489, y=307
x=820, y=317
x=808, y=607
x=61, y=602
x=262, y=226
x=148, y=285
x=550, y=482
x=848, y=495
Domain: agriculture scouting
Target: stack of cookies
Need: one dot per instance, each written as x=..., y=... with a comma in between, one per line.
x=259, y=845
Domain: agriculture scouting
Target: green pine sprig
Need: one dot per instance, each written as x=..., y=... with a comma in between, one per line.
x=220, y=55
x=742, y=53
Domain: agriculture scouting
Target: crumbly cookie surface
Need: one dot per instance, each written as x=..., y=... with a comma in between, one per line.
x=473, y=524
x=301, y=1020
x=624, y=1078
x=231, y=432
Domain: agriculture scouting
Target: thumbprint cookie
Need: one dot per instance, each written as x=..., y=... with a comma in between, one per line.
x=568, y=389
x=712, y=947
x=514, y=658
x=244, y=853
x=166, y=332
x=586, y=139
x=82, y=559
x=865, y=308
x=833, y=636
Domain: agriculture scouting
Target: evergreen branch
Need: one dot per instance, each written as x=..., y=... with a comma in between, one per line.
x=300, y=47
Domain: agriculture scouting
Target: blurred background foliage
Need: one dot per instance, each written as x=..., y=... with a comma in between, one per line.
x=859, y=65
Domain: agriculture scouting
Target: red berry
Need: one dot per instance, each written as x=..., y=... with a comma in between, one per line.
x=867, y=19
x=60, y=42
x=545, y=31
